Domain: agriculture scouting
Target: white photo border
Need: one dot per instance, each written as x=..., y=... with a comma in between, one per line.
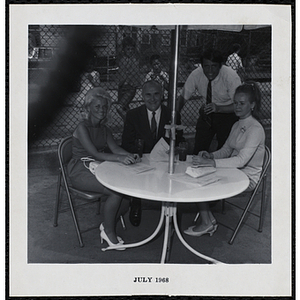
x=273, y=279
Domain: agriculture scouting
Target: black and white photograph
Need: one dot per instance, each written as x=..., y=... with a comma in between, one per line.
x=150, y=150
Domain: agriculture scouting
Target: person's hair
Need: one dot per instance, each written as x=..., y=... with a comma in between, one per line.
x=212, y=55
x=236, y=47
x=128, y=41
x=250, y=88
x=151, y=82
x=95, y=93
x=154, y=57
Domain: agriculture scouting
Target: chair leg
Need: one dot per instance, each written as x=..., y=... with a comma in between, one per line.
x=242, y=218
x=57, y=201
x=74, y=218
x=263, y=196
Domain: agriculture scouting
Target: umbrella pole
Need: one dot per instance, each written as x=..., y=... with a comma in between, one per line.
x=175, y=52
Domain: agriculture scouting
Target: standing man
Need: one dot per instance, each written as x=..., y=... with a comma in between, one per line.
x=216, y=84
x=146, y=122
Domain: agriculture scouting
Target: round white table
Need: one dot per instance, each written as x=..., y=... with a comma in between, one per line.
x=151, y=180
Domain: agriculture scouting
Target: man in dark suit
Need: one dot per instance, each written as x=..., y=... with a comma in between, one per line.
x=146, y=122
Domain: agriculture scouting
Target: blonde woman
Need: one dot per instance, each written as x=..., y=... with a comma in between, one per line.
x=90, y=138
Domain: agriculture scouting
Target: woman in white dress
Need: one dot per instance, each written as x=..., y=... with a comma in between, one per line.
x=244, y=149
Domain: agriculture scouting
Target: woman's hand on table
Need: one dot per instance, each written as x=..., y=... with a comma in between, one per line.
x=127, y=159
x=203, y=160
x=137, y=158
x=205, y=154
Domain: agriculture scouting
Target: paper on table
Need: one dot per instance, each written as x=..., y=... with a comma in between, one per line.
x=137, y=168
x=199, y=166
x=198, y=172
x=200, y=181
x=159, y=152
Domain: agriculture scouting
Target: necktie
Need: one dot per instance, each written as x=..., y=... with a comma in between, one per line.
x=153, y=126
x=208, y=100
x=208, y=93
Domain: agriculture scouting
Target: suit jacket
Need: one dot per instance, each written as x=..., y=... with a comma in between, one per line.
x=137, y=127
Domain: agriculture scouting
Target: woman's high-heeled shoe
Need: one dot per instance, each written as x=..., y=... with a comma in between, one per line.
x=209, y=230
x=118, y=237
x=111, y=245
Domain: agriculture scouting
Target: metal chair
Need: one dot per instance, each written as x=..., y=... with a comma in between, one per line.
x=64, y=156
x=261, y=182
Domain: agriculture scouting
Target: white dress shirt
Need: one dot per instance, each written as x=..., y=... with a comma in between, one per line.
x=223, y=86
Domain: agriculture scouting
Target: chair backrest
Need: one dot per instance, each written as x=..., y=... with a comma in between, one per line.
x=267, y=160
x=266, y=163
x=65, y=151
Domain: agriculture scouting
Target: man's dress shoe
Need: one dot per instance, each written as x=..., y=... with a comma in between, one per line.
x=135, y=212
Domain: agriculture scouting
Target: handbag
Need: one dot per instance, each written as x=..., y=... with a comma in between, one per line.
x=93, y=164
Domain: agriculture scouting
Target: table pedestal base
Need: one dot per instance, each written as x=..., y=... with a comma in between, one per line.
x=168, y=214
x=171, y=212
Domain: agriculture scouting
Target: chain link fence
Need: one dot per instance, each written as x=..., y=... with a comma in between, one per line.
x=122, y=58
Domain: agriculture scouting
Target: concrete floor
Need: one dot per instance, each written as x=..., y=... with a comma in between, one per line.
x=48, y=244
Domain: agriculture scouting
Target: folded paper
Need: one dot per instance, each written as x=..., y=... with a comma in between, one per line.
x=198, y=172
x=160, y=151
x=137, y=168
